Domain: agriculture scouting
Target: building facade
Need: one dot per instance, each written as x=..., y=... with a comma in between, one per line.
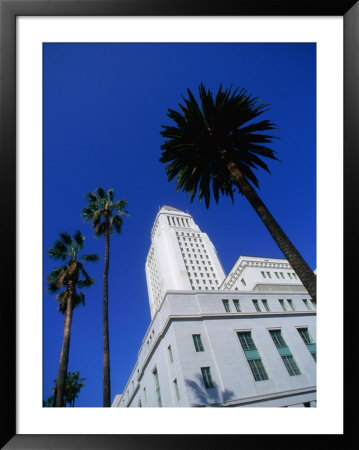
x=245, y=339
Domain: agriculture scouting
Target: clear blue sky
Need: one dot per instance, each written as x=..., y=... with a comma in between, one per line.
x=104, y=105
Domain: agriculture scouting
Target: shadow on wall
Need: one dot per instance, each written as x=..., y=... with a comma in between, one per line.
x=208, y=397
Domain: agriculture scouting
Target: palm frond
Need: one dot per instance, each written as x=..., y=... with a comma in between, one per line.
x=209, y=134
x=65, y=237
x=79, y=238
x=101, y=192
x=90, y=257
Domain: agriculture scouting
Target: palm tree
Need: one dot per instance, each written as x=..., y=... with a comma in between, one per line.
x=65, y=280
x=49, y=402
x=106, y=217
x=72, y=388
x=217, y=145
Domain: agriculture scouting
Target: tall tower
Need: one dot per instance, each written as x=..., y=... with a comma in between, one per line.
x=181, y=257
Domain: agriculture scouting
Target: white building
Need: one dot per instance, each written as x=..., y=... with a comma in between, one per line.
x=245, y=339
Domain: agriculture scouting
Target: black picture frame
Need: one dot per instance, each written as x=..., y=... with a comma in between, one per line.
x=9, y=10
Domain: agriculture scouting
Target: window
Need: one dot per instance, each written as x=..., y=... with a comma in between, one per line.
x=265, y=304
x=263, y=274
x=313, y=303
x=269, y=274
x=170, y=354
x=252, y=355
x=307, y=304
x=281, y=302
x=276, y=274
x=309, y=342
x=157, y=386
x=258, y=369
x=284, y=352
x=290, y=303
x=291, y=365
x=197, y=342
x=226, y=305
x=243, y=282
x=281, y=274
x=305, y=335
x=255, y=303
x=246, y=341
x=176, y=389
x=207, y=378
x=237, y=305
x=289, y=275
x=277, y=338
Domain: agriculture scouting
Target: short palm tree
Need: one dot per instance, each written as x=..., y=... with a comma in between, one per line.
x=106, y=217
x=65, y=281
x=216, y=146
x=73, y=385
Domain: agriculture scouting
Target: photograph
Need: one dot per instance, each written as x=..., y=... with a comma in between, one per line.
x=179, y=225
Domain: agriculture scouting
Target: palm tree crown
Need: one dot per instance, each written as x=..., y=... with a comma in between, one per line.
x=209, y=136
x=102, y=207
x=68, y=249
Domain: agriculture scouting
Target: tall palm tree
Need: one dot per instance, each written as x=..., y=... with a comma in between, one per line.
x=217, y=144
x=65, y=281
x=106, y=217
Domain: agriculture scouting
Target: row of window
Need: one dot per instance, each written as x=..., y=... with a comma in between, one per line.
x=189, y=255
x=254, y=360
x=188, y=235
x=252, y=355
x=285, y=305
x=203, y=261
x=279, y=275
x=182, y=237
x=152, y=267
x=178, y=221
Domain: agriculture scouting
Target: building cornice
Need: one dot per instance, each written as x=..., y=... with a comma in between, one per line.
x=237, y=270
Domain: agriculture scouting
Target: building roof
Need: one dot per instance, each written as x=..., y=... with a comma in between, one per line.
x=170, y=208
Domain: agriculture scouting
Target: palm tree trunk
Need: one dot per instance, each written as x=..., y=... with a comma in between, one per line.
x=106, y=343
x=64, y=357
x=305, y=274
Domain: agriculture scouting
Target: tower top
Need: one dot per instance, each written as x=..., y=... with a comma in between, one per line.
x=169, y=208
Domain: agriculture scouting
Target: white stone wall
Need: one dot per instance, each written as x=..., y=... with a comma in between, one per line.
x=183, y=314
x=254, y=273
x=181, y=257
